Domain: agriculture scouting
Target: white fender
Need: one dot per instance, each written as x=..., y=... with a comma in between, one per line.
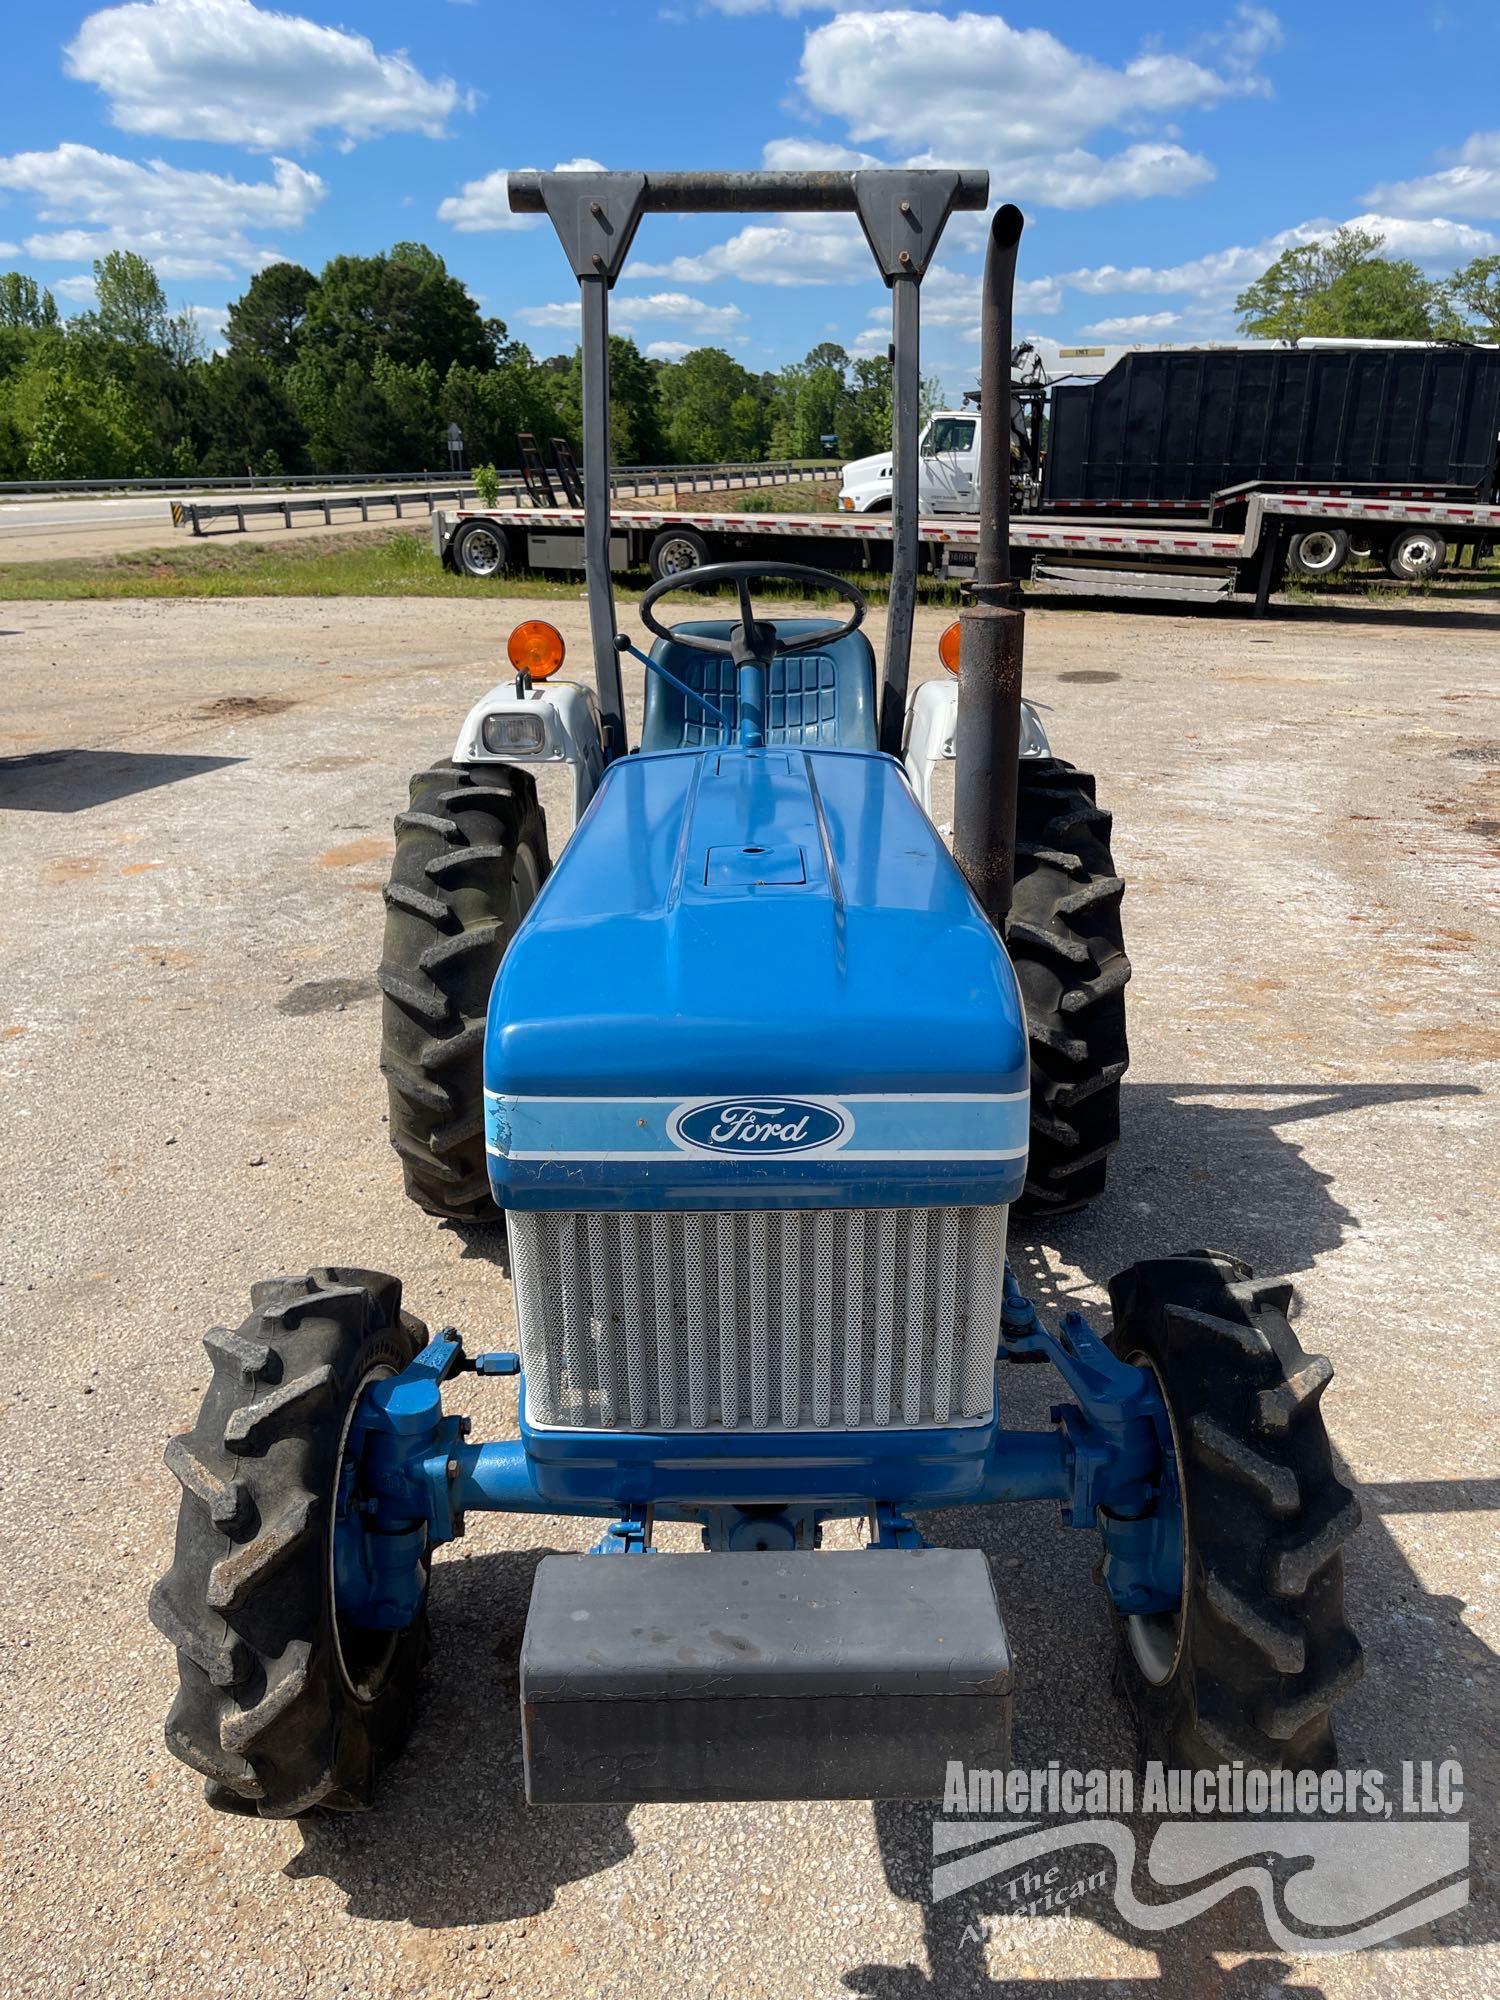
x=537, y=722
x=931, y=723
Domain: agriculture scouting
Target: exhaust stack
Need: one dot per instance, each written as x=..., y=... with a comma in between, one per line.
x=988, y=740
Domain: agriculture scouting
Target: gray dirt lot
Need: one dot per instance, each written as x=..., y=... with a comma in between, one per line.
x=1308, y=813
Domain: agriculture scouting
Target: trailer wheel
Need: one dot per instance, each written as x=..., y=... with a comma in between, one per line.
x=1250, y=1665
x=1416, y=553
x=471, y=854
x=1318, y=552
x=283, y=1705
x=1065, y=942
x=479, y=549
x=675, y=551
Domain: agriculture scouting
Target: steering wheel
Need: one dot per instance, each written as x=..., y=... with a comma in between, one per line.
x=755, y=639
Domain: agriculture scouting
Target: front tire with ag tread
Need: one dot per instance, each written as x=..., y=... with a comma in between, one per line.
x=1065, y=942
x=1252, y=1664
x=282, y=1706
x=471, y=854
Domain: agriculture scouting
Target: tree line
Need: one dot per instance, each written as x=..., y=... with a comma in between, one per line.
x=362, y=368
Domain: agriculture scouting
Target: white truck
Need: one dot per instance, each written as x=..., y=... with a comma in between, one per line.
x=948, y=473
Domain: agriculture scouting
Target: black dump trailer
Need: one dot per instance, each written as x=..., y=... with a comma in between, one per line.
x=1174, y=432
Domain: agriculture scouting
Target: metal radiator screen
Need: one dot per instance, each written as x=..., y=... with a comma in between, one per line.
x=759, y=1319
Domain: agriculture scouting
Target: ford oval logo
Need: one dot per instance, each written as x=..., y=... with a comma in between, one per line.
x=759, y=1127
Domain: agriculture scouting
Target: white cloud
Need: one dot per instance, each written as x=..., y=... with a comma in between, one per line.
x=668, y=350
x=800, y=250
x=80, y=287
x=485, y=203
x=211, y=322
x=792, y=155
x=1133, y=326
x=973, y=85
x=10, y=249
x=950, y=304
x=238, y=74
x=1435, y=242
x=933, y=89
x=1471, y=186
x=1081, y=179
x=628, y=315
x=1252, y=33
x=189, y=224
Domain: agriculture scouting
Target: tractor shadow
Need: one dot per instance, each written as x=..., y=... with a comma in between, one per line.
x=1430, y=1683
x=71, y=781
x=452, y=1842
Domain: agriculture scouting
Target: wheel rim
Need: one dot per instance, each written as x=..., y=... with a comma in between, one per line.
x=482, y=553
x=1156, y=1638
x=1419, y=555
x=361, y=1654
x=676, y=556
x=1319, y=550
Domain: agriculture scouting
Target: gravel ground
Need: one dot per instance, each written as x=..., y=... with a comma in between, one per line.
x=195, y=815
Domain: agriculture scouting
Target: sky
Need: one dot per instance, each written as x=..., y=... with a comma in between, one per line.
x=1162, y=158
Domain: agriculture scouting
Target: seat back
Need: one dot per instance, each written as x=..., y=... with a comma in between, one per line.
x=823, y=698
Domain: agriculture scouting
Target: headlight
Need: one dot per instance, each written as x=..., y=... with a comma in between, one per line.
x=510, y=734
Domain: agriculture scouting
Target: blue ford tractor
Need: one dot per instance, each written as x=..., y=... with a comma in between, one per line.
x=755, y=1074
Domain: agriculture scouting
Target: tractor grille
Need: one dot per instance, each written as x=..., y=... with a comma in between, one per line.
x=759, y=1319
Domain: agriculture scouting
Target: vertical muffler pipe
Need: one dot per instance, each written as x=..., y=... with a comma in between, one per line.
x=988, y=740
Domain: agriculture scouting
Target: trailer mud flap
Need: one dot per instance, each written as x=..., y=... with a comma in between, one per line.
x=848, y=1675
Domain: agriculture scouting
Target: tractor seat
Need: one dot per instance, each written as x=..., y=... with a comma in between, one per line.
x=824, y=698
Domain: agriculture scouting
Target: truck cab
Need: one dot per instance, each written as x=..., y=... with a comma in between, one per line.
x=947, y=474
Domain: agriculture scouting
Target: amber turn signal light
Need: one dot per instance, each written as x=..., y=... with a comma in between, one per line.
x=948, y=648
x=536, y=648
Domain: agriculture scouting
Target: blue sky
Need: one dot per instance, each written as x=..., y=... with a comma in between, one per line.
x=1162, y=158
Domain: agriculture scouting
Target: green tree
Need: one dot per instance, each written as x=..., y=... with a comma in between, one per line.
x=490, y=406
x=24, y=306
x=1275, y=307
x=131, y=311
x=266, y=321
x=404, y=305
x=634, y=413
x=710, y=410
x=242, y=415
x=1380, y=299
x=864, y=420
x=1474, y=295
x=87, y=429
x=828, y=354
x=808, y=407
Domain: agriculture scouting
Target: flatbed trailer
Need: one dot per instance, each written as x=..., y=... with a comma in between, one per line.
x=1094, y=557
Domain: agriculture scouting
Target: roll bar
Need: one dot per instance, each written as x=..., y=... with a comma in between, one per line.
x=902, y=211
x=825, y=192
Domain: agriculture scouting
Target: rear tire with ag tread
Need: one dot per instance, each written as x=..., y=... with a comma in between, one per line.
x=1066, y=944
x=471, y=854
x=1252, y=1665
x=282, y=1707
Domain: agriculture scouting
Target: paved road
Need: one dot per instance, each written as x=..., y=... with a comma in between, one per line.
x=49, y=530
x=191, y=856
x=45, y=530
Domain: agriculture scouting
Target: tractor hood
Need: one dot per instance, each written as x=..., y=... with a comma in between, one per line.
x=755, y=978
